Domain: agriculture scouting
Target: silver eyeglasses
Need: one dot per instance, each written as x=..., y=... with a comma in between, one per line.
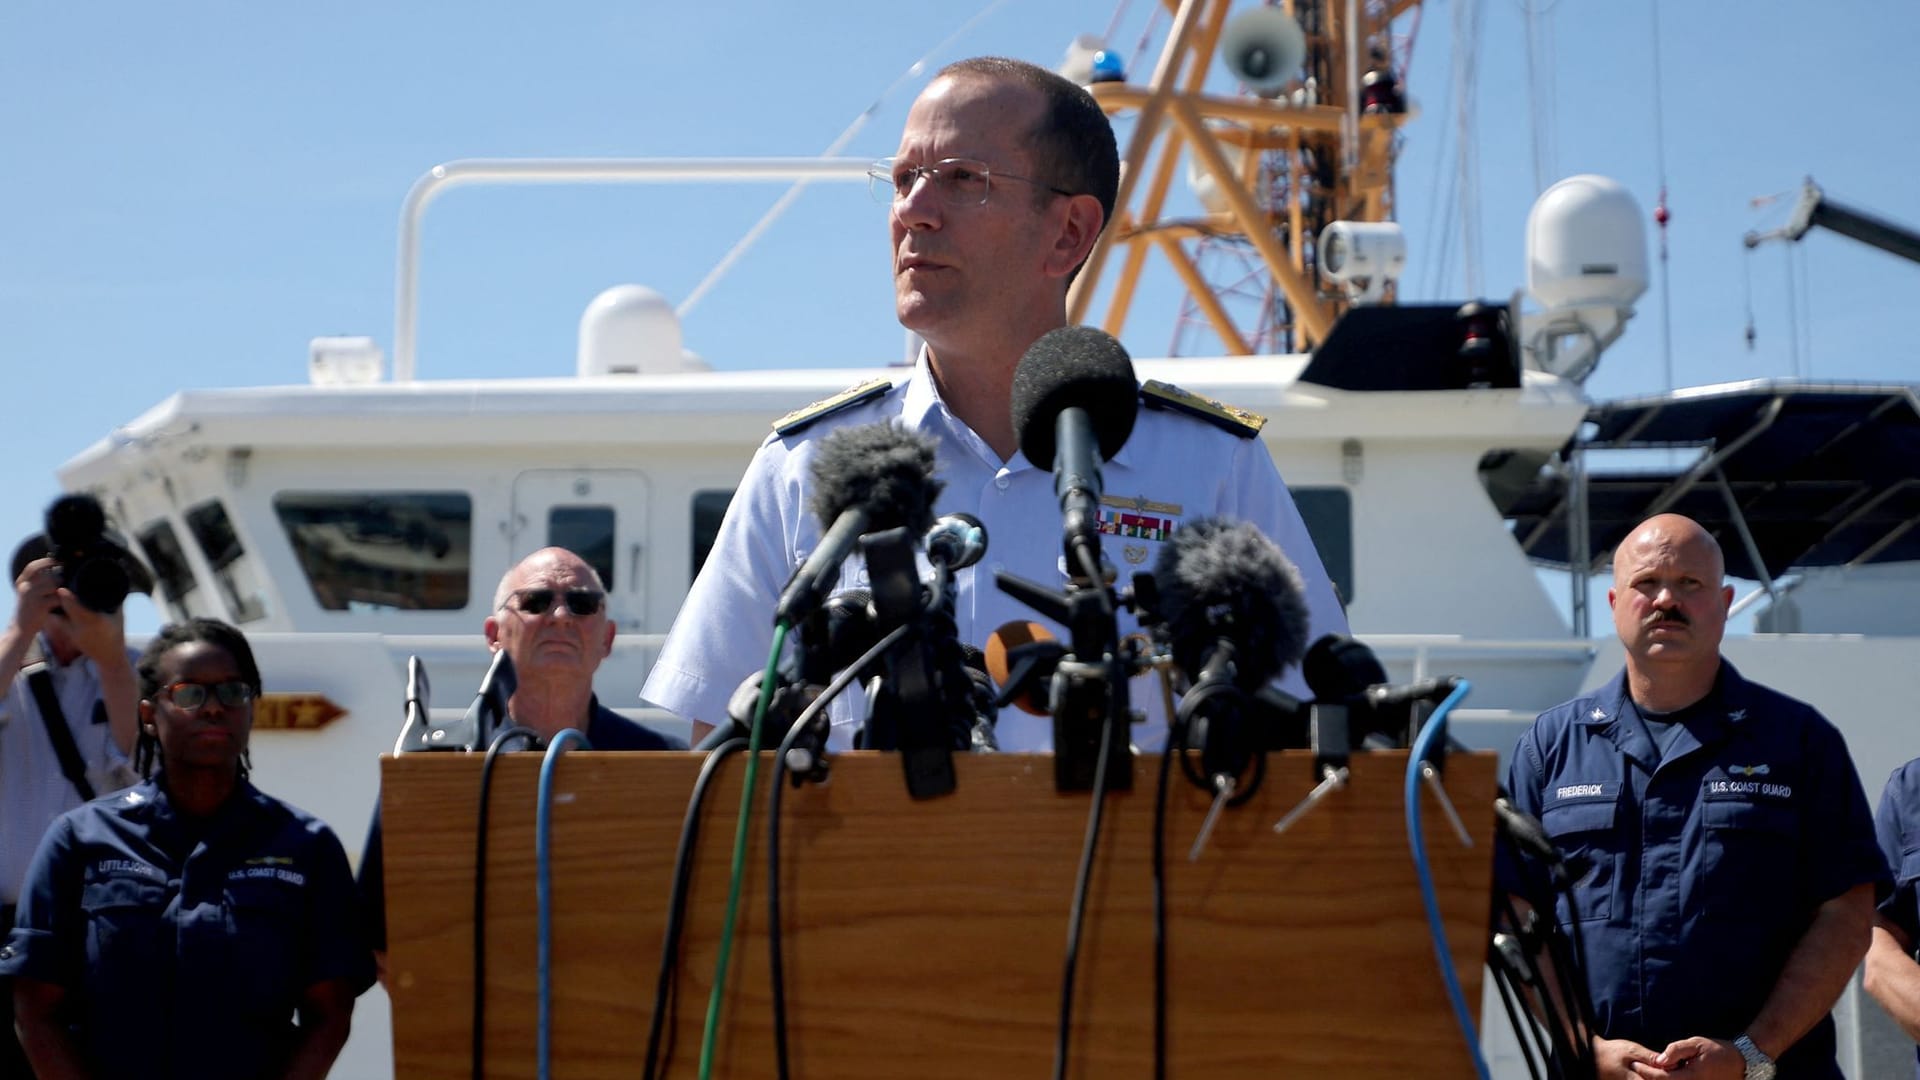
x=957, y=181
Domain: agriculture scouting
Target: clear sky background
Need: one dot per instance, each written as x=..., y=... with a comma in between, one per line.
x=191, y=191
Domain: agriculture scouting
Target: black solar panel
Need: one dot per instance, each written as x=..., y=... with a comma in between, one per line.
x=1822, y=475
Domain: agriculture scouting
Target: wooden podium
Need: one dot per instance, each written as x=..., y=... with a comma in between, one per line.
x=925, y=940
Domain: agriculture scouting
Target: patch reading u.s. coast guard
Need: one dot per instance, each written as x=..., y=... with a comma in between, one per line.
x=1155, y=394
x=799, y=418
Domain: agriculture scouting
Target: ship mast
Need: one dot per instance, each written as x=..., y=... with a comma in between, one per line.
x=1314, y=146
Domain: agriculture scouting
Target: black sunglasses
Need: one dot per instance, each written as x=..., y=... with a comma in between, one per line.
x=581, y=602
x=192, y=695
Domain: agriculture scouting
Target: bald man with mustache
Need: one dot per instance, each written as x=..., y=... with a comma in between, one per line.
x=1726, y=861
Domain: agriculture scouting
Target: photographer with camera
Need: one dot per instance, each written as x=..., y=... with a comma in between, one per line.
x=69, y=714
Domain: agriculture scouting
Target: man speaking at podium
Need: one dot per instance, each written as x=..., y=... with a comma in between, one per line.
x=1005, y=175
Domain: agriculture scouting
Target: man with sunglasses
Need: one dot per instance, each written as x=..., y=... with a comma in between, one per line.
x=550, y=617
x=1005, y=175
x=67, y=721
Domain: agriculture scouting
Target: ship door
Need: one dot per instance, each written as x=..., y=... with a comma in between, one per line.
x=600, y=515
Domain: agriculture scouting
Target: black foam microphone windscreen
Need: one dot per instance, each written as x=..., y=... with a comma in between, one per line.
x=881, y=468
x=1218, y=579
x=1074, y=367
x=1337, y=667
x=866, y=479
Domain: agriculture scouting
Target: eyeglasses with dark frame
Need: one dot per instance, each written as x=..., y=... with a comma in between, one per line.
x=192, y=695
x=581, y=602
x=957, y=181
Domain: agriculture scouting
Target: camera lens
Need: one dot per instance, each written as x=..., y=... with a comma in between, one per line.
x=99, y=583
x=89, y=562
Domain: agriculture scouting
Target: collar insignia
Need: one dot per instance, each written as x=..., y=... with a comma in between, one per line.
x=1598, y=713
x=1737, y=715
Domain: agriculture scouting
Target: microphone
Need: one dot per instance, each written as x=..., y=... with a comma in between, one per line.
x=865, y=479
x=979, y=733
x=956, y=541
x=488, y=713
x=1234, y=613
x=1342, y=671
x=837, y=634
x=419, y=715
x=1229, y=597
x=832, y=637
x=1337, y=668
x=1074, y=403
x=1021, y=657
x=1388, y=697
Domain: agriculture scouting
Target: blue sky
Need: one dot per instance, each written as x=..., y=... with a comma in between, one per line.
x=192, y=191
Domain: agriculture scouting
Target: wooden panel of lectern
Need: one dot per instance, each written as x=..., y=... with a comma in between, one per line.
x=926, y=940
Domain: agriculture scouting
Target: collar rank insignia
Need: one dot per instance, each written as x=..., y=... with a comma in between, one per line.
x=1598, y=713
x=1737, y=715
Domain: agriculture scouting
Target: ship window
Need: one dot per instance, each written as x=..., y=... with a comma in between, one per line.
x=384, y=551
x=587, y=531
x=1328, y=512
x=709, y=508
x=213, y=530
x=170, y=569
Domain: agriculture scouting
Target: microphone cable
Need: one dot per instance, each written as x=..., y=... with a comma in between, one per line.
x=664, y=995
x=1565, y=1008
x=1528, y=1036
x=494, y=750
x=776, y=966
x=1433, y=732
x=543, y=887
x=1077, y=914
x=768, y=679
x=1162, y=791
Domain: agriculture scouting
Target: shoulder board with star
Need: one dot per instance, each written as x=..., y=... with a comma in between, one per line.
x=1158, y=395
x=800, y=418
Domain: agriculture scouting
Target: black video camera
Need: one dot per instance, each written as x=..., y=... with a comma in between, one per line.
x=92, y=566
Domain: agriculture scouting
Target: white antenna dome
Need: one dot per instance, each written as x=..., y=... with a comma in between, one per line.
x=631, y=330
x=1586, y=245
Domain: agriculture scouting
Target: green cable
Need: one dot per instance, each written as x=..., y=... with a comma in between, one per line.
x=767, y=682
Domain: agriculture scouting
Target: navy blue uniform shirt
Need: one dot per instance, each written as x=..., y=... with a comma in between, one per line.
x=1897, y=825
x=184, y=945
x=606, y=730
x=1702, y=870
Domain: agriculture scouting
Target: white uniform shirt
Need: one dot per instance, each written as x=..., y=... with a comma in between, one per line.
x=33, y=791
x=1173, y=468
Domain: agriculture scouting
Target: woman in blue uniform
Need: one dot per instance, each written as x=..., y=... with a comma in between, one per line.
x=190, y=926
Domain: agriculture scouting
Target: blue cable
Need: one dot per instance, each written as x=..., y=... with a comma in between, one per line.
x=1435, y=730
x=543, y=886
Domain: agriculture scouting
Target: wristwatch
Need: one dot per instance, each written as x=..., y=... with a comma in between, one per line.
x=1759, y=1065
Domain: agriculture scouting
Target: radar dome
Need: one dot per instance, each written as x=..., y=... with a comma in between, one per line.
x=1586, y=245
x=631, y=330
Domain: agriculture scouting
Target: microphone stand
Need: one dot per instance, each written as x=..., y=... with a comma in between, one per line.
x=910, y=708
x=1089, y=693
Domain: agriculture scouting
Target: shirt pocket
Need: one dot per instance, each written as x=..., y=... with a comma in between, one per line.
x=1585, y=832
x=1747, y=841
x=127, y=934
x=264, y=928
